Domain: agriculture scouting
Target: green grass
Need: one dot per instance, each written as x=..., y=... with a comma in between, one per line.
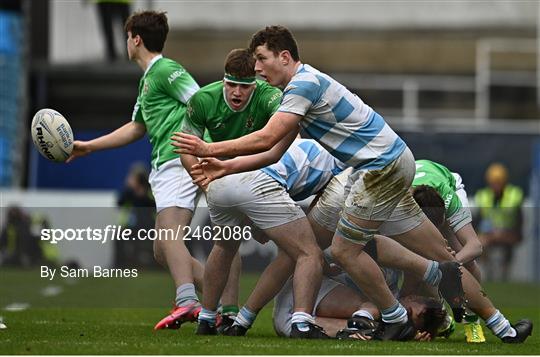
x=116, y=316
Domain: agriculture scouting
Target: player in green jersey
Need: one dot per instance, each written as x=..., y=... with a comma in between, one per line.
x=233, y=107
x=164, y=91
x=441, y=195
x=227, y=109
x=443, y=199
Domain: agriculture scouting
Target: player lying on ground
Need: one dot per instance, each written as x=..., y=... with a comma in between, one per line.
x=398, y=227
x=353, y=133
x=341, y=305
x=267, y=197
x=383, y=170
x=164, y=90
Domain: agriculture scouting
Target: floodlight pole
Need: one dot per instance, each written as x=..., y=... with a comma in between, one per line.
x=483, y=52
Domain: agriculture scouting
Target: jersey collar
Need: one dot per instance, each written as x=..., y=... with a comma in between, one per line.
x=152, y=61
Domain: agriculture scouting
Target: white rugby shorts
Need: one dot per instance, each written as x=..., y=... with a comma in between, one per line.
x=253, y=194
x=172, y=186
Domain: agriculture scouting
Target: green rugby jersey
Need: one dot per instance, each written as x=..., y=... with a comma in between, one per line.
x=210, y=117
x=432, y=174
x=164, y=91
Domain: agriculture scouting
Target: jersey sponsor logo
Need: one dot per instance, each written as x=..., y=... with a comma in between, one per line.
x=176, y=74
x=447, y=200
x=273, y=98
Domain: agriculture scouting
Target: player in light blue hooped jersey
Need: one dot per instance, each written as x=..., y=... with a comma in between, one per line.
x=267, y=197
x=353, y=133
x=304, y=169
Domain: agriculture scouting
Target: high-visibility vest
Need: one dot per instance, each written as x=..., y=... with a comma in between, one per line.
x=504, y=214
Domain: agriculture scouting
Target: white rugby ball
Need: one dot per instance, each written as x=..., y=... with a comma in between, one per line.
x=52, y=135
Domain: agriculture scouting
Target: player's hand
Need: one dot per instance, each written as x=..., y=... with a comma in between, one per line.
x=190, y=144
x=451, y=251
x=208, y=170
x=80, y=148
x=422, y=336
x=199, y=180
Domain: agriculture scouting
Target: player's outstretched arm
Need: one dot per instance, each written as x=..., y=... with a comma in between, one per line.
x=472, y=248
x=209, y=169
x=279, y=125
x=124, y=135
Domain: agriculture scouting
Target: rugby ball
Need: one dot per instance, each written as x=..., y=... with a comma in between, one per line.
x=52, y=135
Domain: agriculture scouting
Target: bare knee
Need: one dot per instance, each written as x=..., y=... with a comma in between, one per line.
x=159, y=255
x=342, y=253
x=316, y=255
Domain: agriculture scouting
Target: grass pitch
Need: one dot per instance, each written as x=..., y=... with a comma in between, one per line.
x=116, y=316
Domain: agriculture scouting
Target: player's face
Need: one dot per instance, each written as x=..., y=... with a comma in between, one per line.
x=270, y=67
x=132, y=45
x=237, y=95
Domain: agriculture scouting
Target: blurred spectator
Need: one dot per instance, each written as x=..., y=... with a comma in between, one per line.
x=49, y=251
x=500, y=220
x=111, y=13
x=18, y=246
x=137, y=212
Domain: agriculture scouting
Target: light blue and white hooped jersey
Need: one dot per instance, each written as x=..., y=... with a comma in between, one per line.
x=304, y=169
x=340, y=121
x=394, y=279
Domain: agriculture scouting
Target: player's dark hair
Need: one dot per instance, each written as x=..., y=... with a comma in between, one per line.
x=433, y=315
x=151, y=26
x=431, y=203
x=240, y=63
x=277, y=39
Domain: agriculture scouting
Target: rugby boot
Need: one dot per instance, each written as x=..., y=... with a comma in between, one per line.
x=206, y=328
x=358, y=328
x=179, y=315
x=451, y=288
x=307, y=330
x=395, y=332
x=523, y=330
x=225, y=322
x=473, y=330
x=235, y=330
x=352, y=334
x=363, y=324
